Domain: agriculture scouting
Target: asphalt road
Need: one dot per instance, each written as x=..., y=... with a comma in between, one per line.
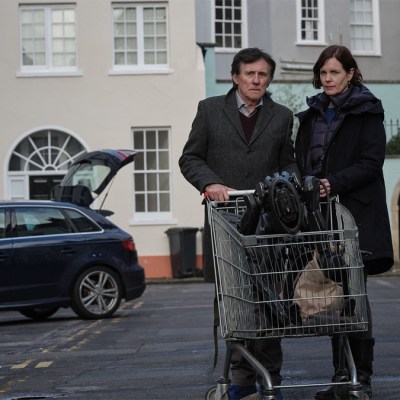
x=161, y=347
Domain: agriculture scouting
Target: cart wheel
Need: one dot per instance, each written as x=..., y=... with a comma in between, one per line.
x=211, y=395
x=342, y=392
x=364, y=396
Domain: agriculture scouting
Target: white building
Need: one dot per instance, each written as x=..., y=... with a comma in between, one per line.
x=90, y=74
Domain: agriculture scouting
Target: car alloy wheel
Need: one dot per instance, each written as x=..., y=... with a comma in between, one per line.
x=97, y=293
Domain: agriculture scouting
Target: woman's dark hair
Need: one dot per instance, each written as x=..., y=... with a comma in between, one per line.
x=250, y=55
x=344, y=56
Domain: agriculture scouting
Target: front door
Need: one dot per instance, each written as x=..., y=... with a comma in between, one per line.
x=40, y=186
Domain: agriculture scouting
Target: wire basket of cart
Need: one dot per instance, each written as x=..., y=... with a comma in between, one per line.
x=310, y=283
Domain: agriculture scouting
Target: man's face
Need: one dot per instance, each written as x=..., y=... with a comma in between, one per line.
x=252, y=81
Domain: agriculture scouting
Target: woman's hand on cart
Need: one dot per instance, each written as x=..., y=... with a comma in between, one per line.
x=325, y=187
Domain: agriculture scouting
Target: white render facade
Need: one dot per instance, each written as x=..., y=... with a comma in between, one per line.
x=97, y=74
x=89, y=74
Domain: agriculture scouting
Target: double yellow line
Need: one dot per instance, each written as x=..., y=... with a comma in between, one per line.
x=79, y=339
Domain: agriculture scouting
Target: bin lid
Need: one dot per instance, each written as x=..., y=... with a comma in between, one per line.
x=181, y=229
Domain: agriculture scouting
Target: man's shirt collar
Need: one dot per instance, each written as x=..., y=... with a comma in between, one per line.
x=243, y=108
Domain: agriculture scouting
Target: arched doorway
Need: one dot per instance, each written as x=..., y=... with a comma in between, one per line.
x=39, y=161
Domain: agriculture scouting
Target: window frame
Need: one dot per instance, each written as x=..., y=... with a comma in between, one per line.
x=48, y=68
x=3, y=222
x=64, y=144
x=321, y=25
x=375, y=24
x=151, y=217
x=141, y=67
x=244, y=29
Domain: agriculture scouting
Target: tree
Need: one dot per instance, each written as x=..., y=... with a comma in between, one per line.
x=393, y=145
x=293, y=97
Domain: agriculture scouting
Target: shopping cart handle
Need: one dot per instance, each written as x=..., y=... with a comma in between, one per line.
x=236, y=193
x=231, y=193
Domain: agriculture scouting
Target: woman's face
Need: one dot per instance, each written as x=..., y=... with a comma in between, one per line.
x=334, y=78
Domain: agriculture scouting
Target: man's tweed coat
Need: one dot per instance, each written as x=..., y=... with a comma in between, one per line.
x=217, y=150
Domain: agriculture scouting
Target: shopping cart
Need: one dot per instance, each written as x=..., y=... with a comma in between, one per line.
x=281, y=285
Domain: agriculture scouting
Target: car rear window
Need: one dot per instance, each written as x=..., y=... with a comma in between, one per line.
x=36, y=221
x=81, y=222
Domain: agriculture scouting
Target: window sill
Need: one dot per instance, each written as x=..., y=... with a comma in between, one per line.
x=366, y=54
x=144, y=71
x=135, y=222
x=48, y=74
x=226, y=50
x=312, y=43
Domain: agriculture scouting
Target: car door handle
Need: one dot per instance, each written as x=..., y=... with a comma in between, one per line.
x=68, y=250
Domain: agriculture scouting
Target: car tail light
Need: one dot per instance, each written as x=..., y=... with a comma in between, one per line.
x=129, y=244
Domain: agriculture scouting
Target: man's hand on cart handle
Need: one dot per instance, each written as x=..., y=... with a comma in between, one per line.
x=217, y=192
x=221, y=193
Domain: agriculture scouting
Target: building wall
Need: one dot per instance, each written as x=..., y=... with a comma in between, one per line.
x=381, y=73
x=100, y=108
x=271, y=26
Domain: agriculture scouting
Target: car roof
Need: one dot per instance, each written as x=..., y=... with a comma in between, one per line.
x=46, y=203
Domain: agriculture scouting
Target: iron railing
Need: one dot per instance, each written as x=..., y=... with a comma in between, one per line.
x=392, y=127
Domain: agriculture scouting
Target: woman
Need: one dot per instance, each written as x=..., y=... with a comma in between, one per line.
x=341, y=140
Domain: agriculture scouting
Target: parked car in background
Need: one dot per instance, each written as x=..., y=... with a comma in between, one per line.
x=62, y=253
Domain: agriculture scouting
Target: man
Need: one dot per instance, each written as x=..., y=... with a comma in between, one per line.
x=235, y=142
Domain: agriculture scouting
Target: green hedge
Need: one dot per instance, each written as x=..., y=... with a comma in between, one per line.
x=393, y=145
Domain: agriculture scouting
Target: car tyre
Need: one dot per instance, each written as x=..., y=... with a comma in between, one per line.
x=39, y=314
x=96, y=293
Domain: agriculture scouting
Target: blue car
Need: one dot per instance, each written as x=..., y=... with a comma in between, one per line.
x=62, y=253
